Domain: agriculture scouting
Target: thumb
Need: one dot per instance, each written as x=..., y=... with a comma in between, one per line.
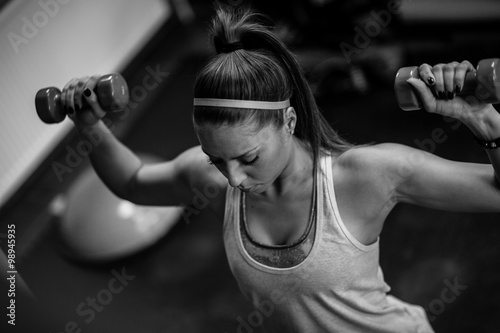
x=425, y=94
x=91, y=99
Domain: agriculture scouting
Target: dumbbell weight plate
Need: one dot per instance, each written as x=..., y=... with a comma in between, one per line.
x=48, y=105
x=405, y=96
x=112, y=92
x=488, y=80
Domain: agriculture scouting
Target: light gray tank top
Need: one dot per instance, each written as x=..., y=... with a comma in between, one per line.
x=338, y=286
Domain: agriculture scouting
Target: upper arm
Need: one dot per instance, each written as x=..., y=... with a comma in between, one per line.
x=431, y=181
x=176, y=182
x=390, y=173
x=371, y=180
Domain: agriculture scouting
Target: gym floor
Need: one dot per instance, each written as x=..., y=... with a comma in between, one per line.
x=446, y=262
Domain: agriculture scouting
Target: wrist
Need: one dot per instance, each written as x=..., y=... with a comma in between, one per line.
x=83, y=123
x=84, y=128
x=485, y=124
x=81, y=127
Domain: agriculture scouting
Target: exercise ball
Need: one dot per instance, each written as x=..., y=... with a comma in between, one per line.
x=96, y=225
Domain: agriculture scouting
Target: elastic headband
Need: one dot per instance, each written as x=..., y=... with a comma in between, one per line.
x=242, y=104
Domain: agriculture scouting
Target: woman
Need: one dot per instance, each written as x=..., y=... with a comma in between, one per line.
x=304, y=208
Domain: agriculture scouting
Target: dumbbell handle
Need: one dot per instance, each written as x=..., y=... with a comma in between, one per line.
x=111, y=90
x=481, y=85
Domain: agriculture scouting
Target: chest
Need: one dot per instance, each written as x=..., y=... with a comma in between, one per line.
x=279, y=222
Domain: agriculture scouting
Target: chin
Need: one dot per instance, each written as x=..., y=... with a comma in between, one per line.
x=258, y=189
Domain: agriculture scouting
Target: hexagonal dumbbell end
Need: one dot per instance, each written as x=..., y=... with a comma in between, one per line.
x=482, y=85
x=111, y=90
x=405, y=96
x=487, y=83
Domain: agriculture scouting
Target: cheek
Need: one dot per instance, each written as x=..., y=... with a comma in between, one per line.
x=277, y=154
x=270, y=168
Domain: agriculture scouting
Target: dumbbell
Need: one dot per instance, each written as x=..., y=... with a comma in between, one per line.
x=483, y=84
x=112, y=95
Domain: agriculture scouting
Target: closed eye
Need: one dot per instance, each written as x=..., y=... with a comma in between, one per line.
x=252, y=162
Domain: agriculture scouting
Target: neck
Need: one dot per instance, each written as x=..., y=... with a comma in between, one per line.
x=296, y=173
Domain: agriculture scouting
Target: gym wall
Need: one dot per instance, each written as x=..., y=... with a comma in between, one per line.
x=38, y=49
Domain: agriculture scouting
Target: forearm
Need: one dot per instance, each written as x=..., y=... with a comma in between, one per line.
x=486, y=126
x=115, y=164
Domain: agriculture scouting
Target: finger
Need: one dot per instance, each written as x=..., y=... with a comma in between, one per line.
x=460, y=73
x=448, y=79
x=425, y=73
x=91, y=97
x=428, y=100
x=69, y=101
x=79, y=92
x=90, y=85
x=65, y=92
x=437, y=71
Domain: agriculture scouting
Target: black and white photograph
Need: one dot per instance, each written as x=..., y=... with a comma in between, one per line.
x=250, y=166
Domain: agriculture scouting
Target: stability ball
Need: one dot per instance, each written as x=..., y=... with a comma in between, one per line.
x=96, y=225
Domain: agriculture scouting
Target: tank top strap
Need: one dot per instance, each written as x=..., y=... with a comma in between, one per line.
x=336, y=225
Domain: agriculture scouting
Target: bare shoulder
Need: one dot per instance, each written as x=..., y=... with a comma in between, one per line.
x=194, y=166
x=380, y=168
x=366, y=181
x=374, y=158
x=203, y=179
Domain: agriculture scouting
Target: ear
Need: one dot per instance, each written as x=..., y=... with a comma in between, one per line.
x=290, y=119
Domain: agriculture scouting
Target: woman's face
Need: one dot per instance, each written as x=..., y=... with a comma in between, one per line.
x=250, y=159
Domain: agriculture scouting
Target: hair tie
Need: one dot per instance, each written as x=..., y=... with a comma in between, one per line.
x=228, y=48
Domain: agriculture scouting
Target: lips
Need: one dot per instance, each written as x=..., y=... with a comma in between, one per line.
x=244, y=189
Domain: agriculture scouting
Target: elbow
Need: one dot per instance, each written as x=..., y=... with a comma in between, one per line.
x=124, y=195
x=121, y=192
x=127, y=189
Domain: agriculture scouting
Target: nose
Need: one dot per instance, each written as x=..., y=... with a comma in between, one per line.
x=235, y=176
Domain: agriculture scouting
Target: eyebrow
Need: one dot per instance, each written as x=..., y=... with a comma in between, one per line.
x=234, y=158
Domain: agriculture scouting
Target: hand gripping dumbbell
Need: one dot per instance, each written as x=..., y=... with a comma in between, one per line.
x=112, y=95
x=482, y=84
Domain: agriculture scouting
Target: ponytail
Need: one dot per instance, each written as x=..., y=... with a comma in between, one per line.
x=260, y=68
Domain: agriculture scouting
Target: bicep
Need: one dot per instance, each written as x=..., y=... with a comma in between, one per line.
x=431, y=181
x=174, y=182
